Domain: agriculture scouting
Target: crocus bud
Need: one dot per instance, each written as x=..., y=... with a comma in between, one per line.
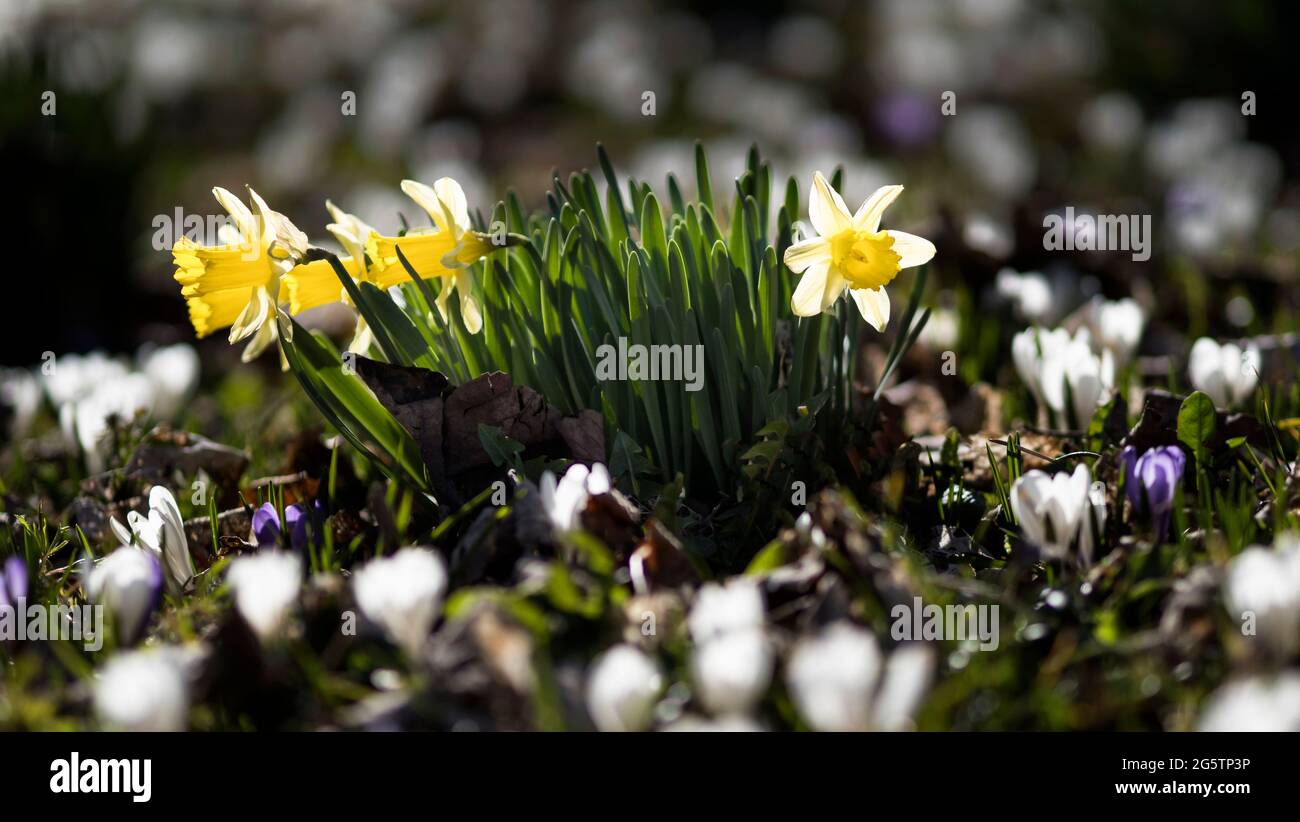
x=265, y=586
x=129, y=583
x=622, y=689
x=1151, y=481
x=402, y=594
x=1053, y=510
x=13, y=581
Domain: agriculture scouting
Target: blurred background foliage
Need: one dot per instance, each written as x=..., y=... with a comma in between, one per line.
x=1126, y=106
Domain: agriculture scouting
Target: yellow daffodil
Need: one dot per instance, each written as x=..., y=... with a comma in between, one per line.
x=445, y=251
x=851, y=253
x=238, y=283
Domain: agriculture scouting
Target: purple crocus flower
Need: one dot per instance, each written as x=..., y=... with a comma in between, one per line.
x=267, y=526
x=1150, y=481
x=13, y=581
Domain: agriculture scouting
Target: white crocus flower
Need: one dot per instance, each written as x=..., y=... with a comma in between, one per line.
x=402, y=594
x=622, y=689
x=1226, y=373
x=1119, y=326
x=265, y=586
x=1258, y=703
x=851, y=253
x=731, y=663
x=142, y=691
x=836, y=681
x=174, y=372
x=1050, y=362
x=1054, y=510
x=127, y=582
x=1264, y=583
x=72, y=377
x=163, y=533
x=566, y=499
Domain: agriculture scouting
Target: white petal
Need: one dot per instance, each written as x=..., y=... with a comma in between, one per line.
x=805, y=253
x=874, y=305
x=911, y=249
x=820, y=286
x=873, y=208
x=237, y=210
x=826, y=209
x=452, y=197
x=468, y=308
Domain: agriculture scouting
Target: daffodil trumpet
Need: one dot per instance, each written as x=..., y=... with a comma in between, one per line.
x=851, y=253
x=238, y=284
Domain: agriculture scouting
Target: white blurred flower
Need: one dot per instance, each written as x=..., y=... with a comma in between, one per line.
x=1257, y=703
x=993, y=149
x=732, y=672
x=566, y=499
x=265, y=587
x=832, y=678
x=74, y=376
x=21, y=394
x=174, y=372
x=142, y=691
x=1265, y=583
x=1119, y=326
x=835, y=680
x=622, y=689
x=1055, y=509
x=942, y=331
x=127, y=582
x=163, y=533
x=1111, y=122
x=722, y=724
x=1227, y=373
x=402, y=594
x=1030, y=293
x=720, y=610
x=731, y=663
x=85, y=421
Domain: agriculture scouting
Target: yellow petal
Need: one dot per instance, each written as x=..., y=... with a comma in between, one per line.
x=826, y=209
x=911, y=249
x=869, y=214
x=807, y=252
x=873, y=303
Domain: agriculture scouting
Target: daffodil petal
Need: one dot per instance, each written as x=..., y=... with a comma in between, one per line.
x=468, y=308
x=873, y=303
x=826, y=208
x=873, y=208
x=805, y=253
x=452, y=197
x=237, y=210
x=818, y=289
x=911, y=249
